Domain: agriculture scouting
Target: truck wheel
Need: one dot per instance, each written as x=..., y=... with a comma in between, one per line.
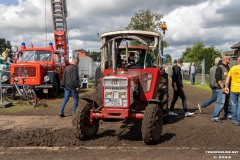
x=32, y=98
x=12, y=95
x=83, y=129
x=152, y=124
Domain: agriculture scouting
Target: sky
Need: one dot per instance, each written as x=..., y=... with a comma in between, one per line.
x=212, y=22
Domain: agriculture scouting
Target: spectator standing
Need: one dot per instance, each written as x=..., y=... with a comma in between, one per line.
x=70, y=82
x=178, y=89
x=222, y=97
x=234, y=75
x=213, y=85
x=3, y=59
x=192, y=72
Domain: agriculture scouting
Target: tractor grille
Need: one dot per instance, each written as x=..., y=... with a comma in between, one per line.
x=115, y=92
x=25, y=71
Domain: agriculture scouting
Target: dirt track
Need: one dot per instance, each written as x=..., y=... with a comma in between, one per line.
x=41, y=134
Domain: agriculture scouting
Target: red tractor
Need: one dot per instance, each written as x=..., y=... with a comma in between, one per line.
x=135, y=91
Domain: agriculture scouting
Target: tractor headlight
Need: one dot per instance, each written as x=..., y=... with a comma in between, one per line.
x=4, y=78
x=122, y=94
x=108, y=94
x=46, y=78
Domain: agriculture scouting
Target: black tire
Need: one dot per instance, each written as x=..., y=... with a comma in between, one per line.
x=152, y=124
x=32, y=98
x=163, y=95
x=12, y=95
x=98, y=92
x=83, y=129
x=97, y=75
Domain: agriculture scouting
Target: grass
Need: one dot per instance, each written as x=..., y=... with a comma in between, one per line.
x=23, y=107
x=16, y=108
x=198, y=85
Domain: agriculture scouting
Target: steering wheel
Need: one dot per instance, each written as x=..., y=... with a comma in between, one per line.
x=134, y=66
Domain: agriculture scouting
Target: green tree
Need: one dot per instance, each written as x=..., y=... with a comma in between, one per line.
x=94, y=55
x=148, y=21
x=199, y=52
x=168, y=58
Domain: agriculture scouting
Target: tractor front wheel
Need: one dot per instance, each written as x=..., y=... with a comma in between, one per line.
x=83, y=129
x=152, y=124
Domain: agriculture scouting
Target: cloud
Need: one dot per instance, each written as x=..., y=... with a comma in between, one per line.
x=213, y=22
x=223, y=13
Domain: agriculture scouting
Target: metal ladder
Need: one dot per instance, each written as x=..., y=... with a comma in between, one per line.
x=59, y=14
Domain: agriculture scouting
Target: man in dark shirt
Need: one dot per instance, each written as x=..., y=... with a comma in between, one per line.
x=222, y=98
x=178, y=89
x=70, y=82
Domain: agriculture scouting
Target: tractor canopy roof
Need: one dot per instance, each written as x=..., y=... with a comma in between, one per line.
x=132, y=41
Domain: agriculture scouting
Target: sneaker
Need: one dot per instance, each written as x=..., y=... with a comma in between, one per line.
x=233, y=122
x=172, y=113
x=200, y=108
x=226, y=117
x=61, y=115
x=188, y=114
x=216, y=120
x=74, y=114
x=229, y=116
x=237, y=123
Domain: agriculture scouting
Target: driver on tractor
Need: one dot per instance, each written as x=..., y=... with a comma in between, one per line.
x=131, y=58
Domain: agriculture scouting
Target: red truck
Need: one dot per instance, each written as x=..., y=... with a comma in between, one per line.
x=43, y=66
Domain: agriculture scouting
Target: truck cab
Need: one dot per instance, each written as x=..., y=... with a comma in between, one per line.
x=42, y=67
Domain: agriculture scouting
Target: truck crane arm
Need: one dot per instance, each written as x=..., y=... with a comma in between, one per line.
x=59, y=14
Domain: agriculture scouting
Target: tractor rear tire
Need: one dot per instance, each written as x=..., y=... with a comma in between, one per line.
x=98, y=92
x=83, y=129
x=152, y=124
x=163, y=96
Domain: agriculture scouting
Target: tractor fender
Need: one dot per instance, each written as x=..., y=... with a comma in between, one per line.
x=94, y=103
x=154, y=101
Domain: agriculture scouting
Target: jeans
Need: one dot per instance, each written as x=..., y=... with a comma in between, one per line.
x=210, y=100
x=192, y=78
x=235, y=97
x=179, y=93
x=222, y=102
x=68, y=91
